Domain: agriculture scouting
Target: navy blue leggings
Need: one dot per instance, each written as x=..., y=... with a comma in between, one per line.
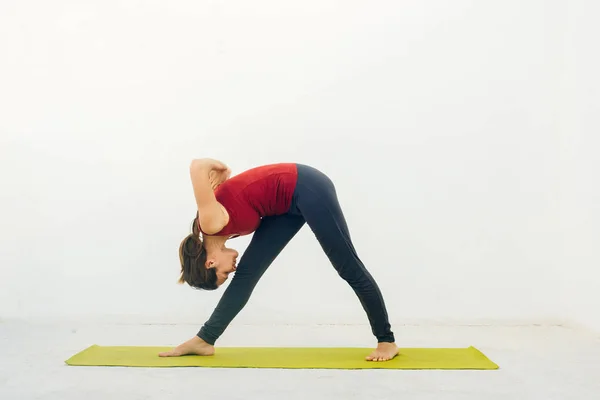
x=315, y=203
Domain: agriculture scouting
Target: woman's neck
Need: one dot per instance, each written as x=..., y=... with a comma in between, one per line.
x=212, y=243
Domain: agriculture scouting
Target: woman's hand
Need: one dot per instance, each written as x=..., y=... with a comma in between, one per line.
x=217, y=177
x=208, y=164
x=217, y=171
x=194, y=346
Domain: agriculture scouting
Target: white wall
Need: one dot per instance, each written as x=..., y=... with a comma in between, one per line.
x=435, y=119
x=580, y=296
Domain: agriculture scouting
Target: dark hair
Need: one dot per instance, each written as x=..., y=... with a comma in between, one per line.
x=192, y=256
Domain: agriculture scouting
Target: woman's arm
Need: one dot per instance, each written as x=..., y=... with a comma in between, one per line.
x=211, y=214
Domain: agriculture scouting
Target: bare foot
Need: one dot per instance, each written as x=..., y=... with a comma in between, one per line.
x=384, y=352
x=195, y=346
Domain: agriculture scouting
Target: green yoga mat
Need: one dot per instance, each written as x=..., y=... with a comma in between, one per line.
x=284, y=357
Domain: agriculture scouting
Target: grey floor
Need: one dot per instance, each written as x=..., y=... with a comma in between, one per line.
x=535, y=363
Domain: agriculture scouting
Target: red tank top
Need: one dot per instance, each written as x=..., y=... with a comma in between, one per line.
x=258, y=192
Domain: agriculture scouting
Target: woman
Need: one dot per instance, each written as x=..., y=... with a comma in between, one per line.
x=273, y=202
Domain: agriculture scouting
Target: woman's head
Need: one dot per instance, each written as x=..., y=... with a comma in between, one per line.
x=205, y=265
x=192, y=256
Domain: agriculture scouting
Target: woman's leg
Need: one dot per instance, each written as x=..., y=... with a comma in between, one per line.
x=317, y=201
x=270, y=238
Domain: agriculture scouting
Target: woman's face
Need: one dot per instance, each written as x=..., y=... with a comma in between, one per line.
x=225, y=262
